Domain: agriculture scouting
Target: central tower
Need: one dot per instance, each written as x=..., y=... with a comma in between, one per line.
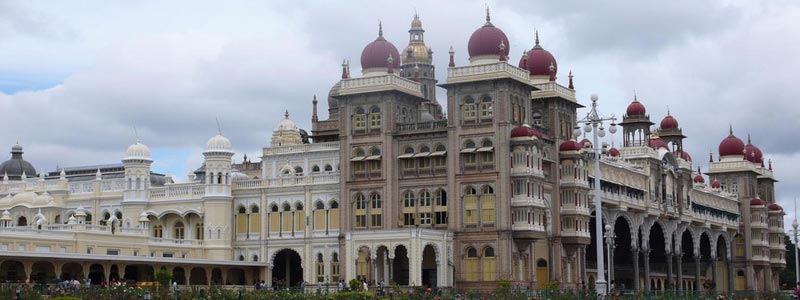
x=417, y=64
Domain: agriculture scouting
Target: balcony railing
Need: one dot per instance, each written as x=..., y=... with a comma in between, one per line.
x=422, y=126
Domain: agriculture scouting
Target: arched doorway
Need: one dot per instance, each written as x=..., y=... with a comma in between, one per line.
x=622, y=270
x=43, y=272
x=687, y=258
x=287, y=268
x=139, y=273
x=236, y=276
x=429, y=267
x=22, y=221
x=179, y=275
x=705, y=264
x=657, y=256
x=97, y=274
x=383, y=264
x=400, y=267
x=542, y=274
x=198, y=277
x=13, y=270
x=72, y=271
x=114, y=274
x=721, y=263
x=216, y=276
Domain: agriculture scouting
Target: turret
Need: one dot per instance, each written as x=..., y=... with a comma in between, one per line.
x=137, y=163
x=218, y=156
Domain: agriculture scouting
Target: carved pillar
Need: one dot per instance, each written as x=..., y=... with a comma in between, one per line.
x=697, y=284
x=391, y=273
x=610, y=263
x=59, y=266
x=636, y=283
x=714, y=272
x=731, y=275
x=209, y=272
x=647, y=286
x=374, y=275
x=679, y=282
x=28, y=266
x=669, y=283
x=121, y=272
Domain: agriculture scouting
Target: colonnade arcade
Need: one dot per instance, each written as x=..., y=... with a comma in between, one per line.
x=648, y=253
x=37, y=271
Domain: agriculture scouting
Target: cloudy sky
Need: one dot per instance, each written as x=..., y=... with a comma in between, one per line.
x=77, y=77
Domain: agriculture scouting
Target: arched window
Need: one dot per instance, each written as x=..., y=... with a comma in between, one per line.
x=409, y=209
x=315, y=169
x=425, y=208
x=440, y=208
x=179, y=231
x=471, y=264
x=241, y=220
x=469, y=110
x=489, y=264
x=255, y=219
x=470, y=206
x=486, y=108
x=255, y=257
x=424, y=157
x=335, y=267
x=320, y=205
x=486, y=152
x=439, y=157
x=360, y=210
x=376, y=218
x=199, y=233
x=241, y=257
x=158, y=231
x=298, y=171
x=406, y=161
x=333, y=215
x=273, y=208
x=375, y=118
x=424, y=198
x=487, y=205
x=320, y=268
x=328, y=168
x=537, y=118
x=359, y=119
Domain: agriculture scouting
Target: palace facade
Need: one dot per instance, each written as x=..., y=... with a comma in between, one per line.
x=393, y=187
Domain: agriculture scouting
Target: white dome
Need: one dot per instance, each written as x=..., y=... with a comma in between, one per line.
x=236, y=175
x=138, y=151
x=219, y=143
x=286, y=124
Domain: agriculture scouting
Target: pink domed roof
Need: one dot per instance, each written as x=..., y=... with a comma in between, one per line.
x=683, y=154
x=525, y=131
x=669, y=122
x=775, y=207
x=585, y=143
x=376, y=54
x=658, y=143
x=487, y=39
x=698, y=179
x=539, y=60
x=569, y=146
x=715, y=184
x=757, y=202
x=636, y=108
x=731, y=145
x=613, y=152
x=752, y=153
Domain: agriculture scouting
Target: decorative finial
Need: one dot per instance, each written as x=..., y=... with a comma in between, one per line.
x=502, y=48
x=389, y=61
x=552, y=69
x=536, y=32
x=219, y=128
x=488, y=18
x=452, y=59
x=770, y=164
x=315, y=99
x=136, y=132
x=571, y=86
x=286, y=114
x=730, y=129
x=748, y=140
x=710, y=156
x=344, y=69
x=380, y=28
x=635, y=99
x=668, y=111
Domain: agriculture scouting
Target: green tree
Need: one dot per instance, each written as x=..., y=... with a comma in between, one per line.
x=787, y=277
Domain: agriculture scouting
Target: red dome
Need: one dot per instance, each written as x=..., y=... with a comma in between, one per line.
x=376, y=54
x=539, y=60
x=669, y=122
x=486, y=41
x=585, y=142
x=731, y=145
x=613, y=152
x=682, y=154
x=715, y=184
x=569, y=146
x=658, y=143
x=753, y=154
x=525, y=131
x=636, y=108
x=698, y=179
x=775, y=207
x=757, y=202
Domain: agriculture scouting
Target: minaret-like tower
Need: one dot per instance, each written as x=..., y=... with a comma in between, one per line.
x=137, y=172
x=636, y=125
x=217, y=201
x=417, y=60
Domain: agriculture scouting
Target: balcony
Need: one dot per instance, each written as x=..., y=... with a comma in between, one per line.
x=438, y=125
x=553, y=89
x=175, y=242
x=304, y=148
x=522, y=170
x=486, y=72
x=389, y=82
x=571, y=209
x=527, y=201
x=527, y=227
x=331, y=177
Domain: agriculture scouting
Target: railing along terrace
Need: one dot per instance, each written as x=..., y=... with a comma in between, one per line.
x=429, y=125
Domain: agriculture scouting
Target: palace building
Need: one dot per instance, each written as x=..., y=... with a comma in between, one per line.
x=396, y=187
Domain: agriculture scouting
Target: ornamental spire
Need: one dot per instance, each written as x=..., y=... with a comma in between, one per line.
x=452, y=60
x=488, y=18
x=380, y=29
x=571, y=86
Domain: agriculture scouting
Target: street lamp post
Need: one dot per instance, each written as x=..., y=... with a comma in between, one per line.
x=610, y=245
x=796, y=263
x=593, y=122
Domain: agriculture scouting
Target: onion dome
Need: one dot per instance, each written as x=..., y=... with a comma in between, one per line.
x=752, y=153
x=525, y=131
x=6, y=216
x=775, y=207
x=538, y=60
x=376, y=54
x=715, y=184
x=699, y=177
x=669, y=122
x=143, y=217
x=585, y=143
x=757, y=202
x=16, y=166
x=657, y=143
x=219, y=143
x=286, y=123
x=731, y=145
x=613, y=152
x=236, y=175
x=416, y=51
x=683, y=154
x=570, y=145
x=636, y=108
x=487, y=40
x=138, y=151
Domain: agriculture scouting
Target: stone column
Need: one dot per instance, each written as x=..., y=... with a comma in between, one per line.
x=269, y=276
x=583, y=266
x=121, y=272
x=28, y=266
x=697, y=284
x=391, y=273
x=670, y=282
x=646, y=254
x=679, y=282
x=714, y=271
x=610, y=265
x=731, y=275
x=386, y=268
x=59, y=266
x=107, y=272
x=636, y=283
x=209, y=272
x=374, y=274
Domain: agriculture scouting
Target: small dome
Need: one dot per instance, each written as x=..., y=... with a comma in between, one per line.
x=417, y=53
x=569, y=146
x=426, y=116
x=16, y=166
x=715, y=184
x=613, y=152
x=636, y=108
x=731, y=145
x=538, y=60
x=683, y=154
x=236, y=175
x=698, y=179
x=219, y=143
x=376, y=54
x=757, y=202
x=487, y=40
x=752, y=153
x=138, y=151
x=585, y=143
x=416, y=23
x=669, y=122
x=286, y=124
x=657, y=143
x=774, y=207
x=525, y=131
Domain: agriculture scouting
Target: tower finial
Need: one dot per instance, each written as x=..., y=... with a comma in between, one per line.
x=136, y=132
x=571, y=86
x=488, y=18
x=748, y=139
x=452, y=59
x=219, y=128
x=730, y=129
x=286, y=114
x=634, y=96
x=380, y=28
x=668, y=111
x=537, y=36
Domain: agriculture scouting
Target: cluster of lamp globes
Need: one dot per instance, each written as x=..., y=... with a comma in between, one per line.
x=587, y=127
